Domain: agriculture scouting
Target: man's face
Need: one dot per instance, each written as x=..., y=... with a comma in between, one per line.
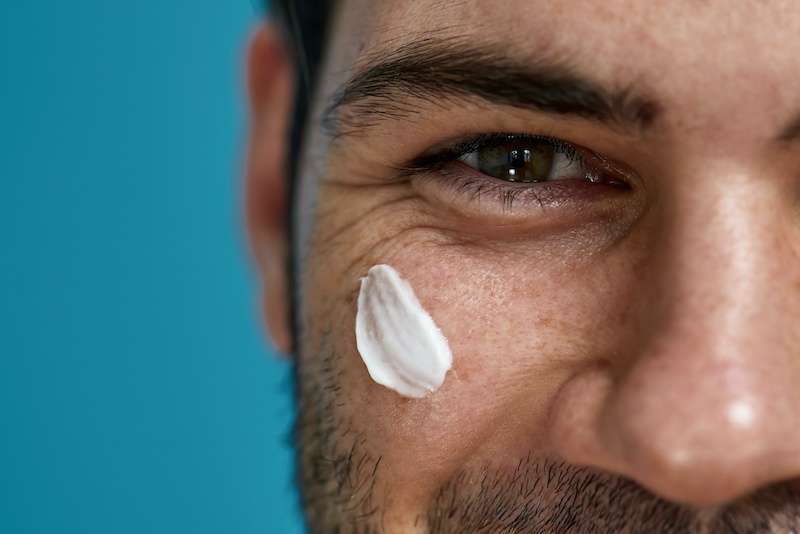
x=626, y=356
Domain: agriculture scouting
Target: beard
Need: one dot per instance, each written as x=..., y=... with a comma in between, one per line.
x=546, y=496
x=338, y=473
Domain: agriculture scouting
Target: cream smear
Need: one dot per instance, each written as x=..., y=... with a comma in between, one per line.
x=398, y=340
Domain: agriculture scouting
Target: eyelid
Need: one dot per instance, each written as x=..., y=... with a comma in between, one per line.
x=488, y=203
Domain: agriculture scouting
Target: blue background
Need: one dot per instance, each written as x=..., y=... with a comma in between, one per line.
x=137, y=394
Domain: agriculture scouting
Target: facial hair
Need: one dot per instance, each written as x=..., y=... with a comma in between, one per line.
x=338, y=471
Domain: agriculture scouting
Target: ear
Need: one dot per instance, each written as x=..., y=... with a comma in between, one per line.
x=270, y=81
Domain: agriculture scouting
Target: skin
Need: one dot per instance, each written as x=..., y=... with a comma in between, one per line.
x=641, y=346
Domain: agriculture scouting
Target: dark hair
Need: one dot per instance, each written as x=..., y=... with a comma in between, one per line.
x=305, y=24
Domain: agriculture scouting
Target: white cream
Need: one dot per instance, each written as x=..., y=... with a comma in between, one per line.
x=398, y=340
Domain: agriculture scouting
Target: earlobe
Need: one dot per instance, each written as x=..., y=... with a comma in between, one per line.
x=275, y=296
x=270, y=91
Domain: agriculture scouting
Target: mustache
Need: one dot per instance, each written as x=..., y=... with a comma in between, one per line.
x=545, y=496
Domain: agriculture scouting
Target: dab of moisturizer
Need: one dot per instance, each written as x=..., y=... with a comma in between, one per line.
x=400, y=344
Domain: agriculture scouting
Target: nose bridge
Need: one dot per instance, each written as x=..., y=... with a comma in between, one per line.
x=721, y=265
x=707, y=407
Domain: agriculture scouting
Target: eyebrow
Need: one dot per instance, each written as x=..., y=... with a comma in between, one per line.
x=389, y=85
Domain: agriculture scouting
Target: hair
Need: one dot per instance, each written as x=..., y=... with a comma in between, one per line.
x=305, y=26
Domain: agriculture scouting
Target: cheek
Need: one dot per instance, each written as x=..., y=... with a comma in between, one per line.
x=519, y=321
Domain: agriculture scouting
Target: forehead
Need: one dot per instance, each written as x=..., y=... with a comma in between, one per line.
x=693, y=55
x=602, y=27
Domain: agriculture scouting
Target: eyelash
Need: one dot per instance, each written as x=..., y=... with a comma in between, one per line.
x=477, y=185
x=441, y=157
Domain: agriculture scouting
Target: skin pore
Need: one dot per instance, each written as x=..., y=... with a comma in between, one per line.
x=625, y=350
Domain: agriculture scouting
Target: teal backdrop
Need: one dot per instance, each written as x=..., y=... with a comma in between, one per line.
x=137, y=392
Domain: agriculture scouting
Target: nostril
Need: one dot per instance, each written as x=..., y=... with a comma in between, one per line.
x=717, y=453
x=697, y=442
x=679, y=471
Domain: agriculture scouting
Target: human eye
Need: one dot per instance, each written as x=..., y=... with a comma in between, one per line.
x=526, y=159
x=509, y=169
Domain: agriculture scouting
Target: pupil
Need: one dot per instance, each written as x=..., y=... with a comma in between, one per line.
x=518, y=158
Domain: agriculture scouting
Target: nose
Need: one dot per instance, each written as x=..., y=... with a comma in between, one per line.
x=704, y=407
